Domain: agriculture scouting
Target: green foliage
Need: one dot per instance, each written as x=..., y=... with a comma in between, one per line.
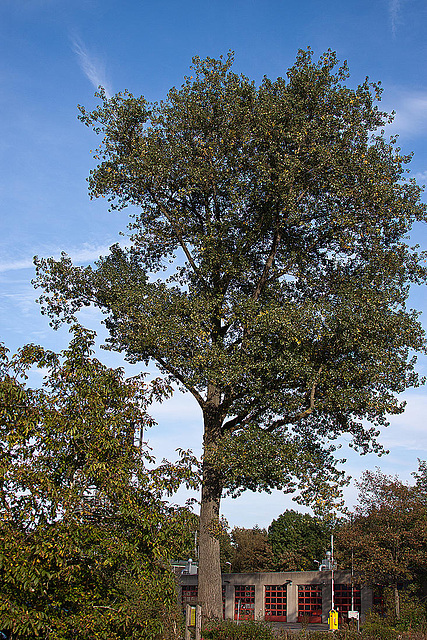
x=185, y=542
x=412, y=611
x=376, y=630
x=376, y=627
x=282, y=215
x=297, y=539
x=388, y=532
x=230, y=630
x=84, y=531
x=305, y=634
x=251, y=550
x=225, y=547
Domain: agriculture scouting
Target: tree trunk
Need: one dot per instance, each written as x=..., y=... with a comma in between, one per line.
x=210, y=586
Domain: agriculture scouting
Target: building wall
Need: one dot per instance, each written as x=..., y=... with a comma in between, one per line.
x=290, y=581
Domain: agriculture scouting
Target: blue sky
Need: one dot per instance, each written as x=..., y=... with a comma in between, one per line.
x=53, y=53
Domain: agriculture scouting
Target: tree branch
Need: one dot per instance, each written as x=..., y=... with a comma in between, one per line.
x=274, y=247
x=299, y=416
x=178, y=376
x=180, y=239
x=242, y=419
x=268, y=264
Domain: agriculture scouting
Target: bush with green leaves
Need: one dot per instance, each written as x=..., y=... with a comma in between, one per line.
x=231, y=630
x=376, y=628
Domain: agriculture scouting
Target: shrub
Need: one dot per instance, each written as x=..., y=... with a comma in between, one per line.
x=377, y=627
x=244, y=630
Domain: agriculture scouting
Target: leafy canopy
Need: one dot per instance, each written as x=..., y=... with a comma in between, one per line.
x=267, y=269
x=251, y=550
x=388, y=531
x=297, y=540
x=85, y=534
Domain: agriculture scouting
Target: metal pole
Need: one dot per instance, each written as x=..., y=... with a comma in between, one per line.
x=332, y=571
x=352, y=581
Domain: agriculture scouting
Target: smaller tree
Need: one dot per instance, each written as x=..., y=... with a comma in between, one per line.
x=297, y=540
x=387, y=534
x=251, y=550
x=84, y=531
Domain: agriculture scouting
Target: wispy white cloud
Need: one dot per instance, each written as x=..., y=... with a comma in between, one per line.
x=394, y=11
x=421, y=177
x=411, y=111
x=407, y=431
x=91, y=65
x=20, y=298
x=15, y=265
x=79, y=255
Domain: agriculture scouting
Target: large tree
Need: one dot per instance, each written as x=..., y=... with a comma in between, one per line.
x=266, y=271
x=85, y=535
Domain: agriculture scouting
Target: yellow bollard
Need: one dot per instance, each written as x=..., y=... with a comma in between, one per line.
x=333, y=620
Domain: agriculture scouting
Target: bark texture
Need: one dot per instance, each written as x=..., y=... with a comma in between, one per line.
x=210, y=589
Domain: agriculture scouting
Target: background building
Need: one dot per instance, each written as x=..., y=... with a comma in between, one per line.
x=300, y=596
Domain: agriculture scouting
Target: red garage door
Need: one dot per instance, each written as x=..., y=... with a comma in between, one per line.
x=309, y=603
x=275, y=603
x=342, y=599
x=244, y=602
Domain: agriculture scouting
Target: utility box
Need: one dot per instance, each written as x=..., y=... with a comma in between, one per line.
x=193, y=622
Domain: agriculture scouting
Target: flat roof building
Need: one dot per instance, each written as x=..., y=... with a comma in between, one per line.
x=291, y=596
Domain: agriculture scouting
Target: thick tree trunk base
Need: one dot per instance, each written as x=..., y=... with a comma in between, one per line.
x=210, y=585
